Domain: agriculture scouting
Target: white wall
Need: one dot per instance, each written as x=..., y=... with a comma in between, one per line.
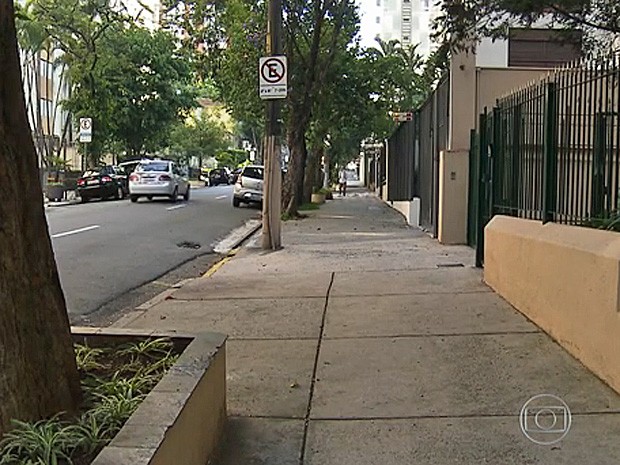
x=491, y=54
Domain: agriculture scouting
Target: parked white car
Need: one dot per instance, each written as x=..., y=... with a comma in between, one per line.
x=158, y=178
x=249, y=186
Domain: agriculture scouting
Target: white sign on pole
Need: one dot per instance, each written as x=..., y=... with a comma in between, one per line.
x=273, y=77
x=86, y=130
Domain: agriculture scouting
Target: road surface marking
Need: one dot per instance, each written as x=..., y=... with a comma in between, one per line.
x=176, y=207
x=220, y=197
x=75, y=231
x=221, y=263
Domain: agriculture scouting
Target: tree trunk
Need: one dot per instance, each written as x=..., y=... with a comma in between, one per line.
x=38, y=373
x=292, y=191
x=312, y=176
x=327, y=174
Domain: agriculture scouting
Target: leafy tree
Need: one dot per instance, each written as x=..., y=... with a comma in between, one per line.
x=78, y=28
x=463, y=22
x=232, y=158
x=316, y=31
x=198, y=138
x=348, y=109
x=200, y=27
x=38, y=375
x=34, y=41
x=149, y=87
x=237, y=78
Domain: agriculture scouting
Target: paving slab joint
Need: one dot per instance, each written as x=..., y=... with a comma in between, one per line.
x=315, y=368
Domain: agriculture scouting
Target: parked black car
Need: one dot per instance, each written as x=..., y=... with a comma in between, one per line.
x=235, y=174
x=219, y=176
x=103, y=182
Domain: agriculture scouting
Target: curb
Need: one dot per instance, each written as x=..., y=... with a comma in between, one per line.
x=241, y=234
x=237, y=237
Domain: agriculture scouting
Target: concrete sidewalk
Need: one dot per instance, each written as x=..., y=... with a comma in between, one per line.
x=365, y=342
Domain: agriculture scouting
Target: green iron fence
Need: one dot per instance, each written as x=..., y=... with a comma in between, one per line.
x=550, y=151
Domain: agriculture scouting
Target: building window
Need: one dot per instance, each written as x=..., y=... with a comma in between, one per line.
x=542, y=48
x=378, y=19
x=405, y=38
x=406, y=19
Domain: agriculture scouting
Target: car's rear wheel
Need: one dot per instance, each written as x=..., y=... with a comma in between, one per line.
x=236, y=202
x=149, y=197
x=120, y=193
x=84, y=199
x=175, y=195
x=186, y=195
x=134, y=198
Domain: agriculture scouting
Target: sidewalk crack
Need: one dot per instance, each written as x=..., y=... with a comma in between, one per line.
x=302, y=453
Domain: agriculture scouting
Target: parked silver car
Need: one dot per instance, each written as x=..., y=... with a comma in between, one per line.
x=249, y=185
x=158, y=178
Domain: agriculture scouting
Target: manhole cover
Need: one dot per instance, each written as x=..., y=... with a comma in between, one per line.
x=450, y=265
x=188, y=245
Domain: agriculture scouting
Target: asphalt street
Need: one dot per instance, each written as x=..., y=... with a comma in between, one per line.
x=106, y=248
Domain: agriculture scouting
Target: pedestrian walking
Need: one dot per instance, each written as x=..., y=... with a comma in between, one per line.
x=342, y=182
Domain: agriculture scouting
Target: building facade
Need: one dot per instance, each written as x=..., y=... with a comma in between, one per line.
x=146, y=13
x=408, y=21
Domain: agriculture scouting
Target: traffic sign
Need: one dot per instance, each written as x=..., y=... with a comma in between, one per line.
x=86, y=130
x=273, y=79
x=401, y=117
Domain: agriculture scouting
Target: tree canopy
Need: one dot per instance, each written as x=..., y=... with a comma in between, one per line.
x=462, y=23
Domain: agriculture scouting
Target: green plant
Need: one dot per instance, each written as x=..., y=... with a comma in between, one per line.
x=46, y=442
x=155, y=370
x=150, y=348
x=86, y=357
x=308, y=206
x=111, y=398
x=114, y=410
x=119, y=385
x=94, y=433
x=609, y=223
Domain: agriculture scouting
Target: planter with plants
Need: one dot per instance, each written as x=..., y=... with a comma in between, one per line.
x=318, y=196
x=136, y=388
x=55, y=186
x=54, y=190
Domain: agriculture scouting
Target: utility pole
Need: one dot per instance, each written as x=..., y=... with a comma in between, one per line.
x=272, y=188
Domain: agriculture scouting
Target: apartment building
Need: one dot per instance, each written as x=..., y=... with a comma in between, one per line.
x=408, y=21
x=146, y=13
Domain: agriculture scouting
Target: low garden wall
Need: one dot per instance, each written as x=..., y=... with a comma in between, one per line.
x=566, y=279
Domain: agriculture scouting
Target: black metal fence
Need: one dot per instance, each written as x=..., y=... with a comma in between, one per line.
x=550, y=151
x=401, y=172
x=413, y=156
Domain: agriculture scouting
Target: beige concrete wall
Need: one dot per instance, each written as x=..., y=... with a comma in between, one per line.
x=409, y=209
x=463, y=111
x=565, y=279
x=195, y=434
x=495, y=83
x=453, y=190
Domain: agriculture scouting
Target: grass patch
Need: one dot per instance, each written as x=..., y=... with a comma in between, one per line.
x=308, y=206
